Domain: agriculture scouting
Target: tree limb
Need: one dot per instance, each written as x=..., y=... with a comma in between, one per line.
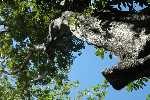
x=119, y=34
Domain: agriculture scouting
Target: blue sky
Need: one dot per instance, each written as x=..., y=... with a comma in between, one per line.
x=87, y=69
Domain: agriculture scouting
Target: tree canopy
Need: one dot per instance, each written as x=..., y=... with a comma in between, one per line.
x=34, y=53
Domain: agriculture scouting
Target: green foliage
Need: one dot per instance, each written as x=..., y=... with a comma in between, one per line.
x=55, y=92
x=138, y=84
x=99, y=4
x=72, y=20
x=7, y=91
x=88, y=12
x=51, y=91
x=26, y=23
x=97, y=92
x=148, y=1
x=148, y=97
x=1, y=21
x=100, y=52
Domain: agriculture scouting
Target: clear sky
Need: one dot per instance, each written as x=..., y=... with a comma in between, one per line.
x=87, y=69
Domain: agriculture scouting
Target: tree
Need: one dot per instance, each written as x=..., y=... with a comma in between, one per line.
x=27, y=56
x=22, y=50
x=34, y=55
x=126, y=34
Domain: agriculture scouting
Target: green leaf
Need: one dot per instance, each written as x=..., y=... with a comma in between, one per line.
x=1, y=69
x=148, y=1
x=138, y=84
x=100, y=52
x=148, y=97
x=1, y=20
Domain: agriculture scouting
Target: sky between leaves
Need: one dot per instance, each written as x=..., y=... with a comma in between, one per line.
x=87, y=70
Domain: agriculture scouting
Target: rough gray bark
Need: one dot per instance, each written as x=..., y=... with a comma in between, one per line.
x=127, y=35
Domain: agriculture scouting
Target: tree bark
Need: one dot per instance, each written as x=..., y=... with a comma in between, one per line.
x=125, y=34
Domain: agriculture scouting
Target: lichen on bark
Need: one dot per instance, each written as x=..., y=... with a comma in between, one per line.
x=122, y=35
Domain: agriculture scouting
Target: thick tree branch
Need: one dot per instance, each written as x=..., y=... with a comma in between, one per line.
x=122, y=74
x=121, y=34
